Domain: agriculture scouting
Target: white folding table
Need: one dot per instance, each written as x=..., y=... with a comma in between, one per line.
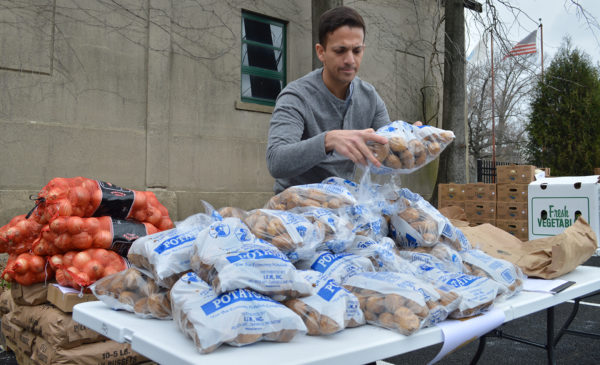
x=161, y=340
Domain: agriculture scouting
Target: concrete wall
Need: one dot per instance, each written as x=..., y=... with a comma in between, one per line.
x=146, y=94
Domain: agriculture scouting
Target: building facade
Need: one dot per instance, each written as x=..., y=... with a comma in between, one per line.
x=175, y=96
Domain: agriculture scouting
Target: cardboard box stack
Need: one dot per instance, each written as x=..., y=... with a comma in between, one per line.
x=512, y=192
x=38, y=332
x=480, y=203
x=451, y=195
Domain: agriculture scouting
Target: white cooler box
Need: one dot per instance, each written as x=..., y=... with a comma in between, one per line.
x=554, y=203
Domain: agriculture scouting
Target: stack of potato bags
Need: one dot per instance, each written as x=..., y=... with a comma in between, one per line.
x=318, y=259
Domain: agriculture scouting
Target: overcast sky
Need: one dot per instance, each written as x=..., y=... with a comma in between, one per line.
x=559, y=18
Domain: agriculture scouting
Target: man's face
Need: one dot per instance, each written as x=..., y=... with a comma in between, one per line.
x=342, y=54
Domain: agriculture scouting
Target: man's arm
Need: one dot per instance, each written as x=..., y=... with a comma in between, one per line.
x=287, y=154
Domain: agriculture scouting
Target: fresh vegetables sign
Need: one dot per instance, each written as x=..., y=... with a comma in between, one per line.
x=551, y=215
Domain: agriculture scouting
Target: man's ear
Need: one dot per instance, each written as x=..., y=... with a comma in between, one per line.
x=320, y=51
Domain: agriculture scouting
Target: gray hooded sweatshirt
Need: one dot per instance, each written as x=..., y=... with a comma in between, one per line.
x=305, y=110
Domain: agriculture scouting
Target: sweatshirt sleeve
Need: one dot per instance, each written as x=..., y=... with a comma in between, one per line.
x=287, y=154
x=381, y=114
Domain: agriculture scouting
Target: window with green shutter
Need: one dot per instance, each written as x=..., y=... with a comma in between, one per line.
x=263, y=58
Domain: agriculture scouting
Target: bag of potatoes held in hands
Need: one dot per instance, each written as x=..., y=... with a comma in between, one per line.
x=167, y=254
x=390, y=301
x=135, y=291
x=331, y=309
x=336, y=266
x=229, y=256
x=337, y=230
x=478, y=263
x=418, y=223
x=289, y=232
x=237, y=318
x=477, y=293
x=311, y=195
x=409, y=147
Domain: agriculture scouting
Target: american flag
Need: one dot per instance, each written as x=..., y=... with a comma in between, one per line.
x=525, y=46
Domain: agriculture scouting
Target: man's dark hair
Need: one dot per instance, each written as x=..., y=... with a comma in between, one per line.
x=335, y=18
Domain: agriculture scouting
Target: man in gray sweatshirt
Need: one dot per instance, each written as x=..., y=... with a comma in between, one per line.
x=322, y=122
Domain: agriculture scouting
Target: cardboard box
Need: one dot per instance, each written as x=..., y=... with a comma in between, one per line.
x=450, y=203
x=517, y=228
x=480, y=191
x=480, y=209
x=511, y=210
x=516, y=193
x=66, y=298
x=451, y=192
x=555, y=203
x=478, y=221
x=515, y=174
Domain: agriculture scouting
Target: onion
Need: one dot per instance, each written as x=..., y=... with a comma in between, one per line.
x=81, y=241
x=80, y=260
x=59, y=225
x=93, y=269
x=37, y=264
x=102, y=239
x=91, y=225
x=64, y=208
x=75, y=225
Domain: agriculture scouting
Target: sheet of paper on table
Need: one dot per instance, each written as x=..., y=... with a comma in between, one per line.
x=546, y=286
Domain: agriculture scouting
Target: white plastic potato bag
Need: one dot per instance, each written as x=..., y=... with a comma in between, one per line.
x=237, y=318
x=227, y=255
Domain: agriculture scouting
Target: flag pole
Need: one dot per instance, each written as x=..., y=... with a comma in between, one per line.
x=542, y=47
x=493, y=118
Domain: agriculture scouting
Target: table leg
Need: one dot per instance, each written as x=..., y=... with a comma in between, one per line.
x=550, y=335
x=480, y=348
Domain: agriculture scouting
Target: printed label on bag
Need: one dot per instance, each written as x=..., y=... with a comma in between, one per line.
x=124, y=233
x=116, y=201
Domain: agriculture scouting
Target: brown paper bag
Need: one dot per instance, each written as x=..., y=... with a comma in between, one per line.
x=545, y=258
x=58, y=328
x=99, y=353
x=29, y=295
x=6, y=302
x=454, y=213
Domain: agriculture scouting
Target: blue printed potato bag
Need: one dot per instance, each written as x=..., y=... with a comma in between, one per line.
x=418, y=223
x=440, y=255
x=291, y=233
x=167, y=254
x=337, y=230
x=382, y=253
x=478, y=263
x=134, y=290
x=336, y=266
x=331, y=309
x=227, y=255
x=237, y=318
x=477, y=293
x=391, y=300
x=409, y=147
x=311, y=195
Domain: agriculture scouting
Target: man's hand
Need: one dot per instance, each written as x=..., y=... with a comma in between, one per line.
x=353, y=144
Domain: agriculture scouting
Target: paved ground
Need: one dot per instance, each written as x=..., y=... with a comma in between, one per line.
x=570, y=350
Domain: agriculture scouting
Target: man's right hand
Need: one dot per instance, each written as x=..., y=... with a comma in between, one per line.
x=353, y=144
